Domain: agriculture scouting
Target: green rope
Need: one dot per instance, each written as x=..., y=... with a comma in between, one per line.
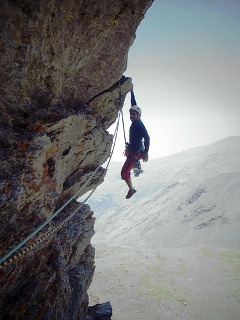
x=17, y=247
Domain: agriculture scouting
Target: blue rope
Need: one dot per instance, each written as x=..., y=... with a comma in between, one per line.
x=6, y=256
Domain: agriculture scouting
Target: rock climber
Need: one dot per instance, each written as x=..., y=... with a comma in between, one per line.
x=138, y=145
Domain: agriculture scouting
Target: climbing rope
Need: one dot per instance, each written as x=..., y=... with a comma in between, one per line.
x=57, y=227
x=121, y=111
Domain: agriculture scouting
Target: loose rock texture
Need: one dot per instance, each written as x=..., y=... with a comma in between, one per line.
x=100, y=312
x=61, y=71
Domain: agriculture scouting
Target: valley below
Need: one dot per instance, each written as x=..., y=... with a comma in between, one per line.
x=187, y=283
x=172, y=251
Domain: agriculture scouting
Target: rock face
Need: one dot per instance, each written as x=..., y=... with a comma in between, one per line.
x=100, y=312
x=61, y=72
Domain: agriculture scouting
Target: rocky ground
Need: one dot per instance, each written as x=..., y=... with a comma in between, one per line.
x=171, y=252
x=190, y=283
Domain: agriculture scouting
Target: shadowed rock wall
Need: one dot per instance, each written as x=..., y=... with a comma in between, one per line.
x=61, y=71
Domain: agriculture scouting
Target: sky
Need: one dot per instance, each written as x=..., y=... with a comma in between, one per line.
x=185, y=68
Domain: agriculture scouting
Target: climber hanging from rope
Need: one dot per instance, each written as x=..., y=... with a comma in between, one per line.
x=138, y=145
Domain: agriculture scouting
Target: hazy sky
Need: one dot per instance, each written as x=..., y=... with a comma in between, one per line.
x=185, y=66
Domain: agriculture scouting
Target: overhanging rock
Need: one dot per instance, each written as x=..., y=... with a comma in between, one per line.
x=61, y=71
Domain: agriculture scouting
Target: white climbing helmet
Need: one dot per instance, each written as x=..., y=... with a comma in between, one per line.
x=136, y=108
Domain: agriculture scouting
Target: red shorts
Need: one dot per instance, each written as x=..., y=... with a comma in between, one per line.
x=129, y=164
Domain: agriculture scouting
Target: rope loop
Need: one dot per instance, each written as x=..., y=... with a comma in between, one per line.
x=46, y=235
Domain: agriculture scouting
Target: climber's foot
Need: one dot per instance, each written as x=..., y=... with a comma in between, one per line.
x=130, y=193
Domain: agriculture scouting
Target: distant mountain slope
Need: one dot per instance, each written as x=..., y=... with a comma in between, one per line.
x=189, y=197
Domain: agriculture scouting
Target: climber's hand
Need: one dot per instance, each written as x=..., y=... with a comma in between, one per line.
x=145, y=157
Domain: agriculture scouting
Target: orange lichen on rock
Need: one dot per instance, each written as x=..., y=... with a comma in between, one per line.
x=38, y=128
x=23, y=145
x=51, y=151
x=30, y=184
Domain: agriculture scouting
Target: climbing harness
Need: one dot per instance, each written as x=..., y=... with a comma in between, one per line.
x=6, y=260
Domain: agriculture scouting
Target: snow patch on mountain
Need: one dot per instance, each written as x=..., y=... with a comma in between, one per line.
x=189, y=197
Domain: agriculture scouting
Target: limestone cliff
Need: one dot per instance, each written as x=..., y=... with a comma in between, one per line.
x=62, y=65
